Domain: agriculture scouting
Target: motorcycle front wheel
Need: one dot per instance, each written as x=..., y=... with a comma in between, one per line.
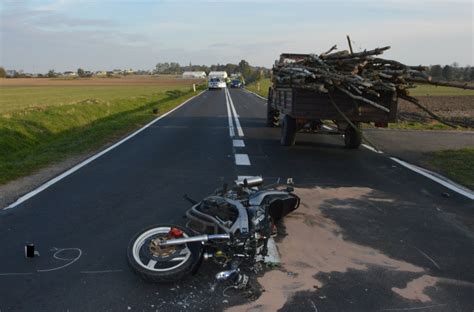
x=162, y=264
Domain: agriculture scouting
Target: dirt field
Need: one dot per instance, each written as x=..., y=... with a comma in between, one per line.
x=458, y=109
x=115, y=81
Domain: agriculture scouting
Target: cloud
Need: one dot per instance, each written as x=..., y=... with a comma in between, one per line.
x=65, y=34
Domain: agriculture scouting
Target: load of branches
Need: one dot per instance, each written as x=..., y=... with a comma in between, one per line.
x=362, y=75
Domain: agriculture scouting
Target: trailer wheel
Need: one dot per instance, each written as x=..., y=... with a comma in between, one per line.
x=352, y=137
x=288, y=131
x=273, y=115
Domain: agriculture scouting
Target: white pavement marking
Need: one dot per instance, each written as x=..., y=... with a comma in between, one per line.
x=92, y=158
x=57, y=256
x=238, y=143
x=229, y=116
x=236, y=117
x=437, y=178
x=14, y=274
x=242, y=160
x=372, y=149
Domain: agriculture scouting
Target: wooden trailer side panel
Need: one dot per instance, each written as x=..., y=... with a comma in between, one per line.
x=301, y=103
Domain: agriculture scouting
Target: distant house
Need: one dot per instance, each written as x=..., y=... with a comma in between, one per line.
x=100, y=73
x=70, y=74
x=10, y=73
x=194, y=75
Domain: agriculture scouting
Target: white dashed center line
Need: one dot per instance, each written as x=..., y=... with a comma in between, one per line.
x=238, y=143
x=242, y=160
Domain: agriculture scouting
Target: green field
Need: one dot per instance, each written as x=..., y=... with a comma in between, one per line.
x=430, y=90
x=17, y=98
x=455, y=164
x=420, y=90
x=52, y=123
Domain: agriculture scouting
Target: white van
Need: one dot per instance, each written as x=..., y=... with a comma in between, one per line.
x=216, y=83
x=217, y=80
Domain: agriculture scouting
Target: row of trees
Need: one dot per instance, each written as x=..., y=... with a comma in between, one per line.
x=250, y=73
x=451, y=72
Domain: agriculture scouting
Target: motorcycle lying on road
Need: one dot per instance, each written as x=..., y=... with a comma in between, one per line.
x=231, y=227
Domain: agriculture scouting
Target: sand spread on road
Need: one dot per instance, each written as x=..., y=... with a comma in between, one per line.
x=315, y=244
x=414, y=289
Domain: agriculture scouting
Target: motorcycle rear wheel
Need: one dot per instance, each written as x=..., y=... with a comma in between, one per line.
x=163, y=265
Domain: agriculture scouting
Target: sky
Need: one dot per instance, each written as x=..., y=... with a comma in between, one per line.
x=37, y=36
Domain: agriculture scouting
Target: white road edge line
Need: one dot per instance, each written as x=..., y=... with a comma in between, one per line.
x=437, y=178
x=229, y=116
x=258, y=95
x=242, y=160
x=92, y=158
x=236, y=117
x=372, y=149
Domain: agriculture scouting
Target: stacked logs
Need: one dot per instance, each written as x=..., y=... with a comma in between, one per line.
x=362, y=75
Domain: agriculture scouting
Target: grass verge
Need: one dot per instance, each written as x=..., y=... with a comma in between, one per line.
x=35, y=137
x=260, y=87
x=457, y=165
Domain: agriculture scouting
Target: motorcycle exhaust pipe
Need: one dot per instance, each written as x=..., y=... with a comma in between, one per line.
x=193, y=239
x=249, y=182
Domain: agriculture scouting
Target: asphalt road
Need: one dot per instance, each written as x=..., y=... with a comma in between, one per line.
x=82, y=224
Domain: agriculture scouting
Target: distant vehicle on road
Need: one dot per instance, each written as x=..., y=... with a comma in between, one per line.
x=217, y=80
x=218, y=74
x=216, y=83
x=236, y=83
